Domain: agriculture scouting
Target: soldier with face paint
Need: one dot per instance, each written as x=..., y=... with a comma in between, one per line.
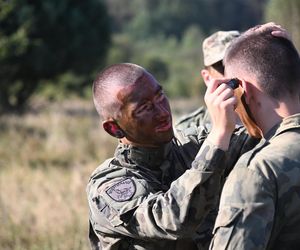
x=156, y=190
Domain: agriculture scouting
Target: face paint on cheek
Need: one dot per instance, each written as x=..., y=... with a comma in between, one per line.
x=245, y=114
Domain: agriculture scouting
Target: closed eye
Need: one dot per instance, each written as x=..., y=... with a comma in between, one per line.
x=149, y=105
x=160, y=96
x=144, y=107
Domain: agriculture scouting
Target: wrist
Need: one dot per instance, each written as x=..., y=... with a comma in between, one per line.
x=220, y=138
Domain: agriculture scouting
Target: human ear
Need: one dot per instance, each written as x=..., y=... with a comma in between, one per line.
x=244, y=95
x=247, y=91
x=206, y=76
x=112, y=128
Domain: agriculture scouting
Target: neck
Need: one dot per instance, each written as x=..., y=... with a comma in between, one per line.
x=125, y=141
x=151, y=158
x=277, y=111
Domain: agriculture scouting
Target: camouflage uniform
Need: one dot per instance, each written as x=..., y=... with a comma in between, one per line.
x=260, y=202
x=199, y=117
x=156, y=198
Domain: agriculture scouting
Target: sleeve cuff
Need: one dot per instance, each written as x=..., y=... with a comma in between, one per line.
x=209, y=158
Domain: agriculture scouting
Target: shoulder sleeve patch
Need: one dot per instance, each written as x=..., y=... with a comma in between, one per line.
x=122, y=191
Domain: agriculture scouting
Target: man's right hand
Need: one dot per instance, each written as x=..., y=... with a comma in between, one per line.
x=221, y=102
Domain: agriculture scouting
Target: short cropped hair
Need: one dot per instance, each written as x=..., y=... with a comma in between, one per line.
x=274, y=61
x=122, y=74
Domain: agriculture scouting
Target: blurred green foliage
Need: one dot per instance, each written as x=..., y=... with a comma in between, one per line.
x=57, y=47
x=165, y=36
x=144, y=18
x=40, y=40
x=286, y=13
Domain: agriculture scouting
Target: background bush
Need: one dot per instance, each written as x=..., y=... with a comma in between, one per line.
x=41, y=40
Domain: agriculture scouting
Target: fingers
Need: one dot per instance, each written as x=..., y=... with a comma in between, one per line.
x=269, y=25
x=266, y=26
x=220, y=101
x=213, y=85
x=278, y=30
x=275, y=29
x=282, y=33
x=224, y=97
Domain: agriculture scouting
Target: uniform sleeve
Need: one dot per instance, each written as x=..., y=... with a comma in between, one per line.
x=128, y=206
x=246, y=211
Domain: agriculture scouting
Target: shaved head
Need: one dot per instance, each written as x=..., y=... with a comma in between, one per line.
x=108, y=81
x=272, y=61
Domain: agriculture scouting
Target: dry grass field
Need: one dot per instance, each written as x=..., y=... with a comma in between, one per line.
x=46, y=157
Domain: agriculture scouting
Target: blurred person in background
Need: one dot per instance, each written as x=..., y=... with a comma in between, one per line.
x=213, y=48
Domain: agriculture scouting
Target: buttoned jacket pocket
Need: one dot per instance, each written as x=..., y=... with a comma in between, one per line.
x=224, y=226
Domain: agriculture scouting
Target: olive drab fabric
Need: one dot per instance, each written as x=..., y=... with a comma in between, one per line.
x=260, y=202
x=161, y=198
x=197, y=118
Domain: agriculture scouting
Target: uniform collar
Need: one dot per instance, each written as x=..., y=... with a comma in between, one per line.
x=290, y=122
x=149, y=157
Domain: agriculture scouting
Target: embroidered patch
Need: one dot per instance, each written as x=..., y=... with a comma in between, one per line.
x=122, y=191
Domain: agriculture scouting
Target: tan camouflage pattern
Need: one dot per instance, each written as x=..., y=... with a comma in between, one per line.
x=173, y=193
x=215, y=45
x=260, y=202
x=199, y=117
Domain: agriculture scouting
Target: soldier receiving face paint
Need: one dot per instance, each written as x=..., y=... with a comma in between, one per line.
x=260, y=201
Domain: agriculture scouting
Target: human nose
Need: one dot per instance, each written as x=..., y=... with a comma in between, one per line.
x=162, y=110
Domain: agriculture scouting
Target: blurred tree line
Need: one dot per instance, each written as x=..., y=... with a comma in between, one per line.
x=165, y=36
x=55, y=47
x=42, y=41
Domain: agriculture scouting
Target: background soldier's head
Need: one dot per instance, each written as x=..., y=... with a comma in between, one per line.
x=214, y=48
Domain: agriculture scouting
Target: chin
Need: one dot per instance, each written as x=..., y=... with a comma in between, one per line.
x=169, y=137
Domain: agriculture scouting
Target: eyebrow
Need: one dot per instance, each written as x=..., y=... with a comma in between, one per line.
x=158, y=89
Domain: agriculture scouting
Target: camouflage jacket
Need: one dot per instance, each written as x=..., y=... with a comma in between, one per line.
x=156, y=199
x=260, y=202
x=197, y=118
